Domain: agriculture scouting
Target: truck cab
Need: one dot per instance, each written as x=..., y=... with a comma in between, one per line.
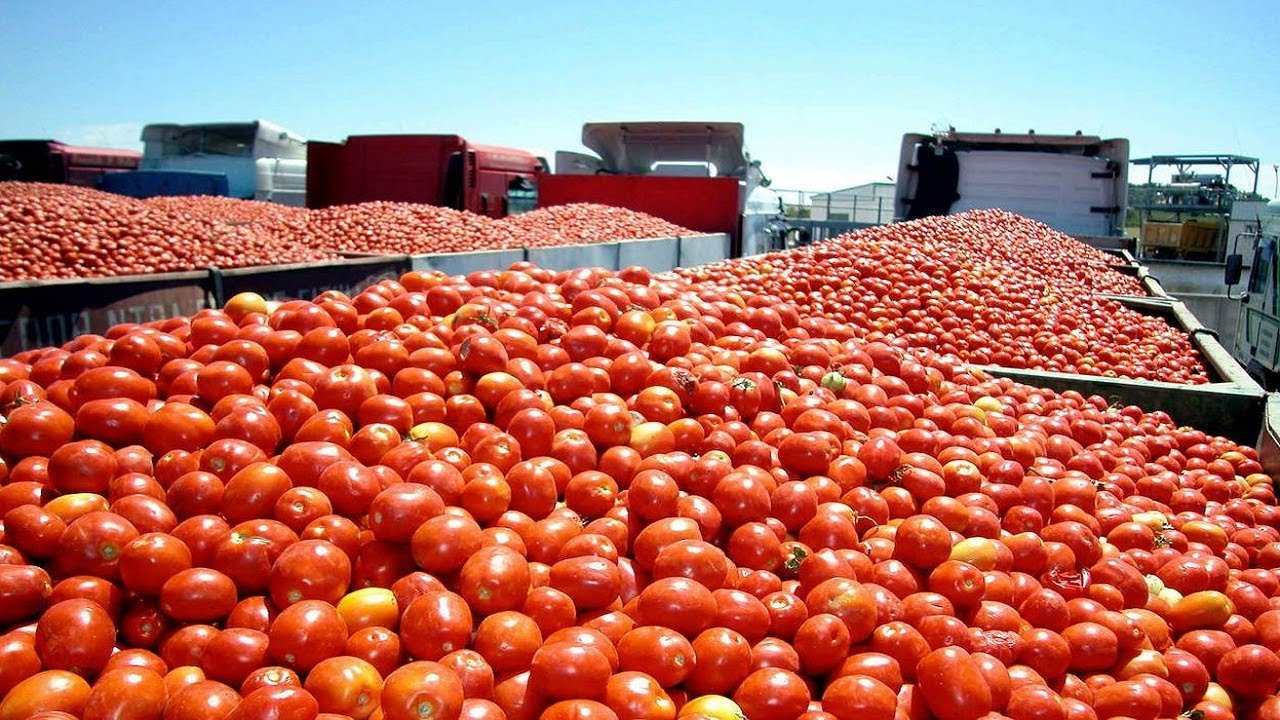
x=50, y=161
x=443, y=170
x=247, y=160
x=1257, y=344
x=1076, y=184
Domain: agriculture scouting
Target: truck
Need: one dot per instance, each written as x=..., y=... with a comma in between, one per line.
x=443, y=170
x=1076, y=184
x=1257, y=336
x=695, y=174
x=50, y=161
x=253, y=160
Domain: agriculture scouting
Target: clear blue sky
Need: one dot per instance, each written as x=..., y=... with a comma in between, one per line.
x=825, y=89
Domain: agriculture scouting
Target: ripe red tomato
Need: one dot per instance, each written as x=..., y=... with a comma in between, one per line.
x=345, y=685
x=309, y=570
x=859, y=697
x=436, y=624
x=127, y=692
x=305, y=633
x=568, y=670
x=952, y=685
x=494, y=579
x=421, y=690
x=75, y=635
x=46, y=691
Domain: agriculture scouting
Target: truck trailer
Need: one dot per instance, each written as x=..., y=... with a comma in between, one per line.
x=442, y=170
x=1076, y=184
x=695, y=174
x=50, y=161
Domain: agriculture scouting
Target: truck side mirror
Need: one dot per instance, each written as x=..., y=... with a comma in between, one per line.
x=1234, y=269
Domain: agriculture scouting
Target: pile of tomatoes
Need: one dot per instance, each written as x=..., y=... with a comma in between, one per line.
x=406, y=229
x=595, y=495
x=589, y=223
x=229, y=210
x=62, y=231
x=986, y=286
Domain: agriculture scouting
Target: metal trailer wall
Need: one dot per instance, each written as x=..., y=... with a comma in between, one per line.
x=1230, y=405
x=656, y=254
x=42, y=313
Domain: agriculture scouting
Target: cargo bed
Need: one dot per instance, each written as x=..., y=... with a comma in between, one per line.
x=1231, y=404
x=40, y=313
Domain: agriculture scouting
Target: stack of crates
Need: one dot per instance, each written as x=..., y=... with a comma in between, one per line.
x=1198, y=236
x=1160, y=235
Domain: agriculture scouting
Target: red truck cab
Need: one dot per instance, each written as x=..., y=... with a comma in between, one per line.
x=444, y=170
x=53, y=162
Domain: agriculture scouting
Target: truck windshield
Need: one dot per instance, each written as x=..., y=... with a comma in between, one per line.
x=229, y=140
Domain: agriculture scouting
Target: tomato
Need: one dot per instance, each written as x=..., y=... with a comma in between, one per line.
x=633, y=695
x=234, y=654
x=46, y=691
x=309, y=570
x=18, y=659
x=822, y=642
x=952, y=685
x=859, y=697
x=578, y=710
x=568, y=670
x=1251, y=671
x=678, y=603
x=1093, y=646
x=305, y=633
x=961, y=583
x=494, y=579
x=442, y=543
x=436, y=624
x=148, y=561
x=24, y=591
x=507, y=641
x=33, y=530
x=75, y=635
x=127, y=692
x=92, y=544
x=421, y=690
x=286, y=702
x=198, y=594
x=723, y=660
x=772, y=693
x=1129, y=698
x=661, y=653
x=377, y=646
x=849, y=601
x=1034, y=701
x=177, y=426
x=345, y=685
x=38, y=428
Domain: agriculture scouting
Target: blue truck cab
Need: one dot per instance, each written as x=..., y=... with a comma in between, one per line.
x=246, y=160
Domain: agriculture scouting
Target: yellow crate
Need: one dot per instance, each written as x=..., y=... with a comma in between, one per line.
x=1198, y=237
x=1161, y=234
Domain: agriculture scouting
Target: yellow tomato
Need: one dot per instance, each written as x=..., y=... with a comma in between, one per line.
x=718, y=707
x=245, y=303
x=978, y=552
x=368, y=607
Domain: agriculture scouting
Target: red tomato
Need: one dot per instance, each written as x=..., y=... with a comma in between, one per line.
x=50, y=690
x=953, y=685
x=75, y=635
x=305, y=633
x=421, y=690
